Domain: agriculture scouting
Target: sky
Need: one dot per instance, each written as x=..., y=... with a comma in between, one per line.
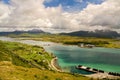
x=60, y=15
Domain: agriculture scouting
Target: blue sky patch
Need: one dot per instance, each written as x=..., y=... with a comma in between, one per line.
x=71, y=5
x=6, y=1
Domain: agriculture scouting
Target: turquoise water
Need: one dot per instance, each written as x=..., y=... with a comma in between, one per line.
x=100, y=58
x=106, y=59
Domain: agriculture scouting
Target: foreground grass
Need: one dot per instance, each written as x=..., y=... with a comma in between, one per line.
x=70, y=40
x=24, y=62
x=12, y=72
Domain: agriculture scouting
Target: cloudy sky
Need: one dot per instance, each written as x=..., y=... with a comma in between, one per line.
x=59, y=15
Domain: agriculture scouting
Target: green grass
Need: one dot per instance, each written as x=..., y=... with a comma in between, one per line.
x=12, y=72
x=26, y=53
x=25, y=62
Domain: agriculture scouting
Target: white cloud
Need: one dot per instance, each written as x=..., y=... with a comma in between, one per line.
x=100, y=16
x=26, y=14
x=4, y=11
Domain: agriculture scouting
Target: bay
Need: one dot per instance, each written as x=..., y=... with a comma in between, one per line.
x=69, y=56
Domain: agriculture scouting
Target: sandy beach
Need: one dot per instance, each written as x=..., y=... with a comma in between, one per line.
x=54, y=63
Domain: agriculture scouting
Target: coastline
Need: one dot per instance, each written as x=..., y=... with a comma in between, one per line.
x=98, y=74
x=55, y=65
x=39, y=39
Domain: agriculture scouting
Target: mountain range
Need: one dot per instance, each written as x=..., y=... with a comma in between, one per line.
x=96, y=33
x=17, y=32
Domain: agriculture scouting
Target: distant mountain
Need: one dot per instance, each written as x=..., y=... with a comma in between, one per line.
x=96, y=33
x=36, y=31
x=33, y=31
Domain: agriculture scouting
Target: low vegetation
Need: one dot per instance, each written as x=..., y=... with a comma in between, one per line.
x=70, y=40
x=24, y=62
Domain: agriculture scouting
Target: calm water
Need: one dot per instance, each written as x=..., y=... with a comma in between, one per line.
x=69, y=56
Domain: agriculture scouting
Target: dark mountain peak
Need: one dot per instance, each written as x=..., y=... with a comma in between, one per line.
x=96, y=33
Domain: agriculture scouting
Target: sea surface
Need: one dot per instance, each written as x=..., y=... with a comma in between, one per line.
x=69, y=56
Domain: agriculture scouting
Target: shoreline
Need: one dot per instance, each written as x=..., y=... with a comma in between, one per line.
x=61, y=42
x=23, y=38
x=55, y=65
x=98, y=74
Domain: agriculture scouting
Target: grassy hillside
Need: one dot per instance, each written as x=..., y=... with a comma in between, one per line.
x=100, y=42
x=21, y=53
x=12, y=72
x=24, y=62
